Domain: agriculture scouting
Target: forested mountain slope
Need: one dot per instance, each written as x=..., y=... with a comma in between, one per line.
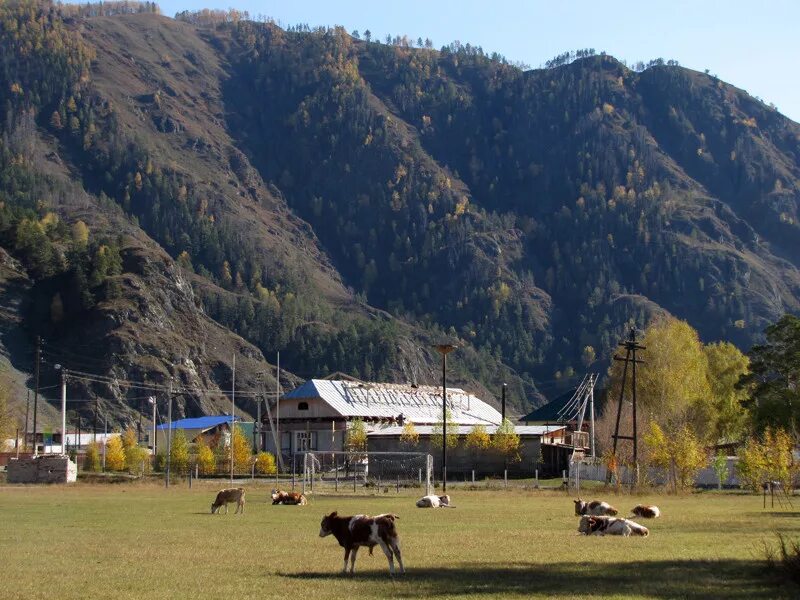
x=347, y=203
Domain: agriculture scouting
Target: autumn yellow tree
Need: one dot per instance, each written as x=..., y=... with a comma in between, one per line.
x=206, y=462
x=179, y=453
x=356, y=438
x=438, y=431
x=506, y=441
x=91, y=461
x=265, y=463
x=115, y=454
x=242, y=450
x=477, y=439
x=136, y=457
x=726, y=364
x=679, y=453
x=410, y=436
x=768, y=458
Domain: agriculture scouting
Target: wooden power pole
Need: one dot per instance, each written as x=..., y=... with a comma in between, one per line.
x=631, y=346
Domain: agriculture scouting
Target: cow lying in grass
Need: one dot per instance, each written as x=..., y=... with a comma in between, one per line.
x=646, y=511
x=600, y=525
x=594, y=507
x=434, y=502
x=224, y=497
x=362, y=530
x=281, y=497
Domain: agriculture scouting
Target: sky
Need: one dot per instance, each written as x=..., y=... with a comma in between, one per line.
x=752, y=45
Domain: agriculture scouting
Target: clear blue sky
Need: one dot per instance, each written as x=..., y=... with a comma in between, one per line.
x=753, y=45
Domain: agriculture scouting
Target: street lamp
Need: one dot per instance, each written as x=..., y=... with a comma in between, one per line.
x=444, y=350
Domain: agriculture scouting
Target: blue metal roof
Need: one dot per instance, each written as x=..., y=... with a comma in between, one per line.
x=199, y=422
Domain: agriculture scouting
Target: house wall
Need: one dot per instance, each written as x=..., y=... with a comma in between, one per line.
x=461, y=461
x=317, y=409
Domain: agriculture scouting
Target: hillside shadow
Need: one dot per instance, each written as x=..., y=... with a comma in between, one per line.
x=734, y=579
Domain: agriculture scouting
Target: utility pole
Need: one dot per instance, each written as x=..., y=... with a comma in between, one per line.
x=169, y=434
x=63, y=409
x=152, y=400
x=278, y=448
x=105, y=440
x=444, y=350
x=503, y=404
x=631, y=346
x=233, y=408
x=94, y=439
x=36, y=391
x=27, y=410
x=591, y=421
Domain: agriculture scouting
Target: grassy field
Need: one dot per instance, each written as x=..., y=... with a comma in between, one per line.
x=141, y=541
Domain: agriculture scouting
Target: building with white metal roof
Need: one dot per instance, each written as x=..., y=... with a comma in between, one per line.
x=315, y=415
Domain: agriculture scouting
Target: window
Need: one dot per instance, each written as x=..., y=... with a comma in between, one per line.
x=305, y=440
x=302, y=406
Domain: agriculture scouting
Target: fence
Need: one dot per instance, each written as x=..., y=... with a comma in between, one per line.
x=364, y=471
x=595, y=470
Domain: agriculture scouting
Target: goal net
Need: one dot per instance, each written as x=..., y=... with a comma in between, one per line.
x=366, y=471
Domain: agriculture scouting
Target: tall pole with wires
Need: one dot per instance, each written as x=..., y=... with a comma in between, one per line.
x=233, y=409
x=36, y=391
x=278, y=445
x=169, y=431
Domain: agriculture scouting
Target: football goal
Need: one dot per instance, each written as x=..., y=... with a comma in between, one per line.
x=365, y=471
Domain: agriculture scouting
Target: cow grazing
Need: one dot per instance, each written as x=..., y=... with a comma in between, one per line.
x=594, y=507
x=224, y=497
x=601, y=525
x=646, y=511
x=281, y=497
x=362, y=530
x=434, y=502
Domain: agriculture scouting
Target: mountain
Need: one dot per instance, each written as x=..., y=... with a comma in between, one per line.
x=175, y=192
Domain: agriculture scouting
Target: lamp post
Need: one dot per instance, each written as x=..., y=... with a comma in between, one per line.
x=444, y=350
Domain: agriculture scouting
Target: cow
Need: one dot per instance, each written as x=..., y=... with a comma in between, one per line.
x=594, y=507
x=281, y=497
x=434, y=502
x=226, y=496
x=646, y=511
x=601, y=525
x=362, y=530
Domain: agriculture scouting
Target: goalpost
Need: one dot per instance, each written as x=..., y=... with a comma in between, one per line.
x=351, y=471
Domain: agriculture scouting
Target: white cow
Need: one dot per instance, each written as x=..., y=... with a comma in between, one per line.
x=434, y=502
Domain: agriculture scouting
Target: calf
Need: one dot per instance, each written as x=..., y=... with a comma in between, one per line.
x=362, y=530
x=594, y=507
x=591, y=525
x=646, y=511
x=434, y=502
x=226, y=496
x=281, y=497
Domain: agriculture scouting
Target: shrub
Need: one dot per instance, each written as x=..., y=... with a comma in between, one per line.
x=179, y=453
x=92, y=461
x=785, y=559
x=410, y=435
x=506, y=441
x=767, y=460
x=115, y=454
x=160, y=461
x=265, y=463
x=206, y=461
x=478, y=438
x=242, y=450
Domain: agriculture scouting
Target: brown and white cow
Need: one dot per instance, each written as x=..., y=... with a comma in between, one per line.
x=226, y=496
x=594, y=507
x=362, y=530
x=600, y=525
x=434, y=502
x=281, y=497
x=646, y=511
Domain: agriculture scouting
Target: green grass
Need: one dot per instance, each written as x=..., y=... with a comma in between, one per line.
x=142, y=541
